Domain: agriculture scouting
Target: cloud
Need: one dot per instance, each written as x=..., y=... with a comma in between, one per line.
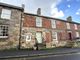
x=55, y=12
x=31, y=6
x=68, y=6
x=45, y=5
x=78, y=12
x=13, y=2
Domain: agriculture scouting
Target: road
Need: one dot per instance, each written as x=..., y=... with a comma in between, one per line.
x=53, y=54
x=75, y=56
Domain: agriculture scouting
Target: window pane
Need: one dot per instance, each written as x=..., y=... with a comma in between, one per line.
x=38, y=22
x=6, y=13
x=3, y=31
x=53, y=23
x=77, y=34
x=75, y=25
x=54, y=35
x=68, y=25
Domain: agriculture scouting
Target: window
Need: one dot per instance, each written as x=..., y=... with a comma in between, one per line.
x=3, y=31
x=75, y=25
x=6, y=14
x=53, y=23
x=77, y=34
x=38, y=22
x=54, y=35
x=68, y=25
x=28, y=37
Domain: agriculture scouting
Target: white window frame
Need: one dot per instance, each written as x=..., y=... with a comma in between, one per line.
x=76, y=27
x=77, y=34
x=53, y=23
x=38, y=21
x=68, y=25
x=6, y=14
x=2, y=30
x=56, y=37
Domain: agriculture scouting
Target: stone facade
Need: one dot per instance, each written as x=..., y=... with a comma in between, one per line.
x=13, y=23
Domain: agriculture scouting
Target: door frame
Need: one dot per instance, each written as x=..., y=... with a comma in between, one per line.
x=41, y=37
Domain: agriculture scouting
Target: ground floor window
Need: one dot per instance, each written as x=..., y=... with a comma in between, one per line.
x=54, y=35
x=77, y=34
x=39, y=37
x=3, y=31
x=28, y=37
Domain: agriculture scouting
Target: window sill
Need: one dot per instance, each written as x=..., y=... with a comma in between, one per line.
x=3, y=36
x=4, y=19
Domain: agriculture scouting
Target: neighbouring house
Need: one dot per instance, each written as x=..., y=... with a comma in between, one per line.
x=10, y=18
x=48, y=31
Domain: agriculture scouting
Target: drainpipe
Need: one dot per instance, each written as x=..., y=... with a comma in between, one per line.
x=22, y=14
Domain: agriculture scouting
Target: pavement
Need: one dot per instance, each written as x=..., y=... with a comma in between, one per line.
x=32, y=53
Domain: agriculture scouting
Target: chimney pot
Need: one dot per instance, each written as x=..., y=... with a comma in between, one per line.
x=39, y=11
x=69, y=18
x=23, y=6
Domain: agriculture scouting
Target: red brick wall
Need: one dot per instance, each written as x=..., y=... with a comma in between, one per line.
x=60, y=25
x=29, y=21
x=46, y=23
x=73, y=31
x=48, y=37
x=72, y=26
x=79, y=29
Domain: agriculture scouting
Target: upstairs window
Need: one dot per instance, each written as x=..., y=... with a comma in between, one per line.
x=53, y=22
x=75, y=25
x=38, y=21
x=68, y=25
x=6, y=14
x=3, y=31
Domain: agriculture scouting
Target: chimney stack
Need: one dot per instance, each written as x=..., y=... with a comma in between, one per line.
x=23, y=6
x=39, y=11
x=69, y=19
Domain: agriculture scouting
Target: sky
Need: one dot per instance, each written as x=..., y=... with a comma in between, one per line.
x=53, y=8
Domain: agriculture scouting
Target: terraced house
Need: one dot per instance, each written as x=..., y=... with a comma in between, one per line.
x=18, y=28
x=10, y=18
x=48, y=31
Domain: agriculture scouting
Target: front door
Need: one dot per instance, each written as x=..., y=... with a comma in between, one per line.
x=70, y=36
x=39, y=37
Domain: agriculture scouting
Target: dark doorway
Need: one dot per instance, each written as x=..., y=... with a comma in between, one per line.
x=70, y=36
